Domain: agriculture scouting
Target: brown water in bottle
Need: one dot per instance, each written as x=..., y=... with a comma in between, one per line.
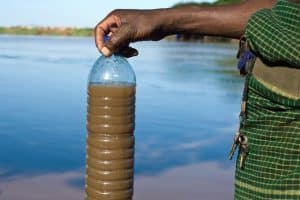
x=110, y=142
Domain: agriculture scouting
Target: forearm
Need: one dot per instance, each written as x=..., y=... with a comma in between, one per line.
x=226, y=21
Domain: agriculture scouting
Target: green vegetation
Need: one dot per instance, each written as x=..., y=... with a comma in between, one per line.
x=193, y=3
x=223, y=2
x=27, y=30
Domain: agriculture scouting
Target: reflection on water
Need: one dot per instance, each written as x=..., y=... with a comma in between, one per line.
x=187, y=105
x=198, y=181
x=189, y=182
x=45, y=187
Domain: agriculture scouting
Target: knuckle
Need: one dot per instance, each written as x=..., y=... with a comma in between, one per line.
x=97, y=27
x=115, y=11
x=114, y=40
x=117, y=14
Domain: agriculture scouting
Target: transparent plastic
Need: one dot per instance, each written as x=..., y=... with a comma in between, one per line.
x=110, y=127
x=112, y=70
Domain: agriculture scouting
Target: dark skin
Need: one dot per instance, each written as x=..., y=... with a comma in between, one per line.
x=126, y=26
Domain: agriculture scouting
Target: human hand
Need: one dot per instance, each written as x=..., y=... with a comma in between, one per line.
x=124, y=27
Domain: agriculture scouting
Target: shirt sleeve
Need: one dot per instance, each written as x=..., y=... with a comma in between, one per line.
x=274, y=34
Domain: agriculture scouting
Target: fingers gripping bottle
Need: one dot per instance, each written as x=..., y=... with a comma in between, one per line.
x=110, y=126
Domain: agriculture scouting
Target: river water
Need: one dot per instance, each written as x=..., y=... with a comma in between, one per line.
x=188, y=97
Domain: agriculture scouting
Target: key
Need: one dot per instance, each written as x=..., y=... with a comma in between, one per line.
x=236, y=141
x=243, y=150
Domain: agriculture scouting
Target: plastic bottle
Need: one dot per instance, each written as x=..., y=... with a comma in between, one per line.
x=110, y=126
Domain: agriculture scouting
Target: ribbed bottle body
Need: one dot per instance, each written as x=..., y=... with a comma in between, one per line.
x=110, y=139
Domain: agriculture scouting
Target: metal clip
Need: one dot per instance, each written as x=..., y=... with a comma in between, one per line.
x=243, y=140
x=236, y=141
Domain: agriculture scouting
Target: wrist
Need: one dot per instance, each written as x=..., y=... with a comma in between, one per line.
x=168, y=21
x=183, y=20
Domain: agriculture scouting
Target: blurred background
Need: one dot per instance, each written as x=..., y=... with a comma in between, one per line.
x=188, y=96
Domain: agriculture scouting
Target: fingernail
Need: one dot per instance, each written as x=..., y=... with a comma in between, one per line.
x=105, y=51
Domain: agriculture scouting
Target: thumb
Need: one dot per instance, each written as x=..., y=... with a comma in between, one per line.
x=128, y=52
x=119, y=39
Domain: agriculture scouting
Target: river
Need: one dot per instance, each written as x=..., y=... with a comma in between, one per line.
x=188, y=100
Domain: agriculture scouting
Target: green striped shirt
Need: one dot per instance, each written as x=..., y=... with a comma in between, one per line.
x=274, y=34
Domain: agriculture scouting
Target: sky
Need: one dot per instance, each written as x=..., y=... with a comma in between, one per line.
x=77, y=13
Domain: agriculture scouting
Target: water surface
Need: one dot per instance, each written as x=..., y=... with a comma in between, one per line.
x=186, y=114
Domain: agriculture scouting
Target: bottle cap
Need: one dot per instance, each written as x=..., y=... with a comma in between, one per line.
x=106, y=38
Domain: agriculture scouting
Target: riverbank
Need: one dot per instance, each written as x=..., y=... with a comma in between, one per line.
x=51, y=31
x=88, y=32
